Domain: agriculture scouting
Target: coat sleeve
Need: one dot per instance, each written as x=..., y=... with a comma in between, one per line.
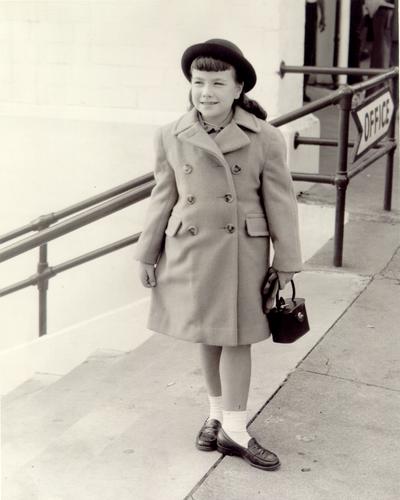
x=281, y=205
x=163, y=198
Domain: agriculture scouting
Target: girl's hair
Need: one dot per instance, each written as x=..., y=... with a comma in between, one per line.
x=203, y=63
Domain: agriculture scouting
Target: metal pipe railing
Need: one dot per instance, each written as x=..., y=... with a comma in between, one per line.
x=53, y=217
x=78, y=221
x=316, y=105
x=344, y=97
x=325, y=70
x=315, y=178
x=50, y=272
x=341, y=175
x=362, y=165
x=121, y=196
x=373, y=82
x=387, y=205
x=300, y=140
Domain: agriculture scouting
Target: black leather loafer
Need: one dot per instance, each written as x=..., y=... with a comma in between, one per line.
x=254, y=454
x=207, y=437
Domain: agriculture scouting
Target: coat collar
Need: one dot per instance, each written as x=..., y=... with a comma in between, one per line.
x=231, y=138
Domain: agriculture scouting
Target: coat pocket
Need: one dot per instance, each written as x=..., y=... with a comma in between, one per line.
x=256, y=225
x=173, y=226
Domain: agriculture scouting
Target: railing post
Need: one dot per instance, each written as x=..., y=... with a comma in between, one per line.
x=387, y=202
x=341, y=178
x=43, y=285
x=43, y=222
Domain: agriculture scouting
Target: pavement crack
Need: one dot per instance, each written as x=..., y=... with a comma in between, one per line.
x=388, y=264
x=354, y=381
x=190, y=496
x=327, y=366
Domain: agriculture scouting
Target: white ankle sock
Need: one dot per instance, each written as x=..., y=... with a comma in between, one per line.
x=215, y=407
x=234, y=424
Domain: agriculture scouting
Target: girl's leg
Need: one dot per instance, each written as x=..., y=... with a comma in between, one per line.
x=235, y=376
x=210, y=356
x=210, y=359
x=233, y=438
x=235, y=370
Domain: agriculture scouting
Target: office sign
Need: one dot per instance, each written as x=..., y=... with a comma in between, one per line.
x=372, y=119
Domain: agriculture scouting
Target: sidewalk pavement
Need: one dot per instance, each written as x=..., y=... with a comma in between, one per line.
x=335, y=421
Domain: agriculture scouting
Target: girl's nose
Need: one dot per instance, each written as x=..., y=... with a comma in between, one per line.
x=206, y=91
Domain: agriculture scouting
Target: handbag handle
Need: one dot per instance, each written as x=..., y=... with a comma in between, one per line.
x=280, y=302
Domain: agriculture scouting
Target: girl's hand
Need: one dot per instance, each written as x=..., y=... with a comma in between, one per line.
x=284, y=278
x=147, y=275
x=269, y=289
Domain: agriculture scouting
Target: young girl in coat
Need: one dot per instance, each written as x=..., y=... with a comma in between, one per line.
x=223, y=191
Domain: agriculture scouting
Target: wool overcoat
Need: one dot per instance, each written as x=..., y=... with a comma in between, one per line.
x=215, y=207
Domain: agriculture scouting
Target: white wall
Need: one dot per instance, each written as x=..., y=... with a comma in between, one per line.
x=126, y=54
x=83, y=85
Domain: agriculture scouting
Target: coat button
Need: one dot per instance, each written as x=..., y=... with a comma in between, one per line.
x=188, y=169
x=236, y=169
x=228, y=198
x=191, y=199
x=193, y=230
x=230, y=228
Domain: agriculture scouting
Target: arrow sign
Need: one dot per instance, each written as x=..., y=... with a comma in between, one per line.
x=373, y=119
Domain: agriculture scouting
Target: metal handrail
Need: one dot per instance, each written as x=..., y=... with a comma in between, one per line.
x=343, y=97
x=78, y=221
x=108, y=202
x=359, y=166
x=328, y=70
x=50, y=272
x=46, y=220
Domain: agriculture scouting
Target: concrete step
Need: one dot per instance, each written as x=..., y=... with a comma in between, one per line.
x=126, y=422
x=37, y=383
x=32, y=419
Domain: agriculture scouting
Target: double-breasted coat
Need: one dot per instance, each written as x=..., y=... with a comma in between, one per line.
x=215, y=207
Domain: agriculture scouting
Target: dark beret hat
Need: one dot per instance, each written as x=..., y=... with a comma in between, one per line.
x=224, y=51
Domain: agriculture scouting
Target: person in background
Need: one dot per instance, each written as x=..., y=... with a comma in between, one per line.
x=310, y=36
x=394, y=55
x=384, y=23
x=356, y=27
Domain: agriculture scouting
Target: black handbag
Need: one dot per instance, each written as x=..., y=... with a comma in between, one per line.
x=288, y=320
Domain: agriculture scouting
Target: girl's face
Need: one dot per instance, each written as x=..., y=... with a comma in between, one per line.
x=213, y=93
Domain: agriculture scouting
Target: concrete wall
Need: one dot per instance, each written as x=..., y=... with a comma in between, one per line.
x=83, y=86
x=125, y=54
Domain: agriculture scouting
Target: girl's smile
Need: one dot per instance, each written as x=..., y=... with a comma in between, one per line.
x=213, y=93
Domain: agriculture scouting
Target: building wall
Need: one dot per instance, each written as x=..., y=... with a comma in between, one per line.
x=125, y=54
x=83, y=86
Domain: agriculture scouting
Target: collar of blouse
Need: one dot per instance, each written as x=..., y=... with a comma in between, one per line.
x=210, y=128
x=240, y=117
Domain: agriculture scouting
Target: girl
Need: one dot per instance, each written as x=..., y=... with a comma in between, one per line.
x=222, y=191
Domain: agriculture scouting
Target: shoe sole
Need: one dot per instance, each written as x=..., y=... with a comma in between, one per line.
x=206, y=448
x=227, y=451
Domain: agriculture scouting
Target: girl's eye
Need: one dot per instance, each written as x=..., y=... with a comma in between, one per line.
x=196, y=83
x=219, y=83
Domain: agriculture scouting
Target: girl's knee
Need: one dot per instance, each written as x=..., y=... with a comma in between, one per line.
x=236, y=352
x=206, y=349
x=237, y=348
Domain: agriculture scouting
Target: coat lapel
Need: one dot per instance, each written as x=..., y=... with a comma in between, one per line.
x=231, y=138
x=188, y=129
